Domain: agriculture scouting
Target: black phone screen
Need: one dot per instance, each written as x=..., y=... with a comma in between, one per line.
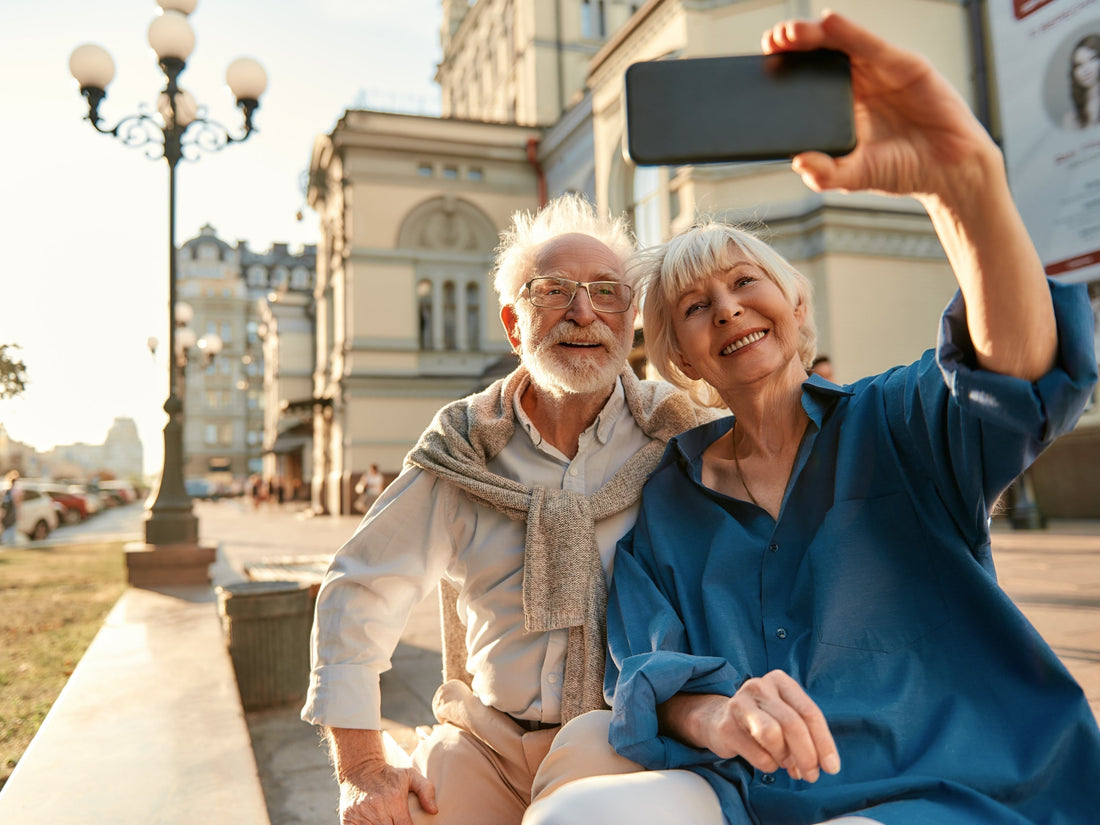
x=741, y=108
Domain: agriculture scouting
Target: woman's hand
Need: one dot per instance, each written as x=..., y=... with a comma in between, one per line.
x=915, y=135
x=770, y=722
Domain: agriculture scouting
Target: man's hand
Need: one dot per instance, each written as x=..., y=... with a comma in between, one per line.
x=770, y=722
x=373, y=792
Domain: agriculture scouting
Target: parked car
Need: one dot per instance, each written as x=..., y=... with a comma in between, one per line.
x=200, y=488
x=37, y=517
x=122, y=491
x=71, y=506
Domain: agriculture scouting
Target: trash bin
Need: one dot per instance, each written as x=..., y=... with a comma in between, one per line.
x=267, y=626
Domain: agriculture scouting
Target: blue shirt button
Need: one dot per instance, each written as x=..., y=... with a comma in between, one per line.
x=773, y=547
x=781, y=633
x=768, y=778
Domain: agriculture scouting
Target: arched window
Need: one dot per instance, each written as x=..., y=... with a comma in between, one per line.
x=450, y=333
x=257, y=276
x=473, y=316
x=424, y=307
x=299, y=278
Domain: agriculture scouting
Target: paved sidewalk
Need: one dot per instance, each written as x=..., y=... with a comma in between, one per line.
x=1053, y=575
x=293, y=764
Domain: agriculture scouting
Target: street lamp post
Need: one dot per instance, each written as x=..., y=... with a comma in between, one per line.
x=180, y=129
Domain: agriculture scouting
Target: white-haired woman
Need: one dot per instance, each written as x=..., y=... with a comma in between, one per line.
x=804, y=623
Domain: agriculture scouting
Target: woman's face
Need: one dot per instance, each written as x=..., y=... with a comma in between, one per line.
x=1086, y=66
x=736, y=327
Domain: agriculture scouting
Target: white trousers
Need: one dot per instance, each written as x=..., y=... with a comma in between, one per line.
x=634, y=795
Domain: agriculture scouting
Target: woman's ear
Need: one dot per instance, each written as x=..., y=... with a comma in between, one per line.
x=686, y=368
x=510, y=318
x=800, y=313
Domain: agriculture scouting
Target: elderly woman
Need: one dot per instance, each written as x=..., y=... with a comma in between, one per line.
x=804, y=623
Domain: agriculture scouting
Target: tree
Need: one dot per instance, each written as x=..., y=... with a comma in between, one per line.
x=13, y=373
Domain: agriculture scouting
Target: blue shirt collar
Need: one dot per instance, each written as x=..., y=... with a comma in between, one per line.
x=818, y=398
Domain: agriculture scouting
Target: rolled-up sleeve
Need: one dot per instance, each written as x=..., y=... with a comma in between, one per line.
x=1044, y=409
x=972, y=431
x=648, y=662
x=395, y=558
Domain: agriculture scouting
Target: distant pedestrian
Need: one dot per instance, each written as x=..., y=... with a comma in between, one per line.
x=256, y=491
x=12, y=499
x=824, y=367
x=368, y=489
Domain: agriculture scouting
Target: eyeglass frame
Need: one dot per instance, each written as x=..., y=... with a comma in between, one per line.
x=576, y=289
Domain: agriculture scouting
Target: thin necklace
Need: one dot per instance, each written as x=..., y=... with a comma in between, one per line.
x=737, y=464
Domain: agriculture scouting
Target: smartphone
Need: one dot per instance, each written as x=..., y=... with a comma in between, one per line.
x=740, y=108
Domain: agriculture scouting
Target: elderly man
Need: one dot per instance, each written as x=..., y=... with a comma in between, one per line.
x=515, y=497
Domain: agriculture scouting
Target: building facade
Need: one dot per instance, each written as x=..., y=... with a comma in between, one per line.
x=532, y=107
x=223, y=396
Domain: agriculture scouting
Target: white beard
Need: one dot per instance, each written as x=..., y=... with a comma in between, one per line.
x=582, y=373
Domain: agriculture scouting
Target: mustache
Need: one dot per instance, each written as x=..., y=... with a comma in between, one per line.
x=565, y=332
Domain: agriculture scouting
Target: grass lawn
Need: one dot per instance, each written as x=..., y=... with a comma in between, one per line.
x=52, y=603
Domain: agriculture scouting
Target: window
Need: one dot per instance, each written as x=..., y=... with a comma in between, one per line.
x=210, y=434
x=424, y=308
x=592, y=20
x=475, y=173
x=424, y=170
x=279, y=277
x=299, y=278
x=450, y=172
x=257, y=276
x=473, y=316
x=450, y=337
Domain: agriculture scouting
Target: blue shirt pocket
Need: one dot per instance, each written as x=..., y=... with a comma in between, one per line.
x=876, y=586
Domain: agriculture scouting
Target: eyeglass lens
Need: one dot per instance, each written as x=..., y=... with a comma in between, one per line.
x=558, y=293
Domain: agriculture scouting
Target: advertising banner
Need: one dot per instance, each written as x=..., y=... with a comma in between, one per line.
x=1047, y=62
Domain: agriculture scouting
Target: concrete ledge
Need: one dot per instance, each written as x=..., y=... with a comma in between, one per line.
x=148, y=729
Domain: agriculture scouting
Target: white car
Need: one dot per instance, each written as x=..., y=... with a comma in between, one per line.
x=37, y=516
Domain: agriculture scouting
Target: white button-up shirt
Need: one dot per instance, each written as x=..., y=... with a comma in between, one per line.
x=422, y=529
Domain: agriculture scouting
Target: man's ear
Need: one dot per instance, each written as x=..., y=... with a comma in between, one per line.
x=510, y=318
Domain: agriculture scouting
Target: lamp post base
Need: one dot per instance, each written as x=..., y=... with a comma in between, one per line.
x=174, y=526
x=166, y=565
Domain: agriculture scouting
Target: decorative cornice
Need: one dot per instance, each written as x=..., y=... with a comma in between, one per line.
x=855, y=232
x=415, y=256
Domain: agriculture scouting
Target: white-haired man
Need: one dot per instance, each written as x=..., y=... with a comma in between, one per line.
x=516, y=497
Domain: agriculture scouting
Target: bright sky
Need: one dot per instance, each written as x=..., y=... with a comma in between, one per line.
x=84, y=219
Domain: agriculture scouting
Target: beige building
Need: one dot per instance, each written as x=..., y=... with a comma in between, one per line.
x=532, y=106
x=223, y=397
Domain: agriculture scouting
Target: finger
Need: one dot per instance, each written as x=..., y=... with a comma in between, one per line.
x=424, y=790
x=792, y=35
x=812, y=745
x=817, y=170
x=789, y=740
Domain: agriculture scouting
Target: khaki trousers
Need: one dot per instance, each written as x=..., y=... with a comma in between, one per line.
x=487, y=769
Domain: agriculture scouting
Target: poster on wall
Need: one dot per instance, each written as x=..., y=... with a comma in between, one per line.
x=1046, y=56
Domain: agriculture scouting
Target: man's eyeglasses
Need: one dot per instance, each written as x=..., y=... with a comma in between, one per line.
x=549, y=292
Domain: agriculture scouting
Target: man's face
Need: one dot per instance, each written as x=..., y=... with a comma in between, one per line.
x=577, y=349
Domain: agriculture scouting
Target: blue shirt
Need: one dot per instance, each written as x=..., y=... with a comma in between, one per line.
x=875, y=590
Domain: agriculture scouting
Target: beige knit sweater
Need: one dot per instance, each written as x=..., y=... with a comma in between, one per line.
x=563, y=579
